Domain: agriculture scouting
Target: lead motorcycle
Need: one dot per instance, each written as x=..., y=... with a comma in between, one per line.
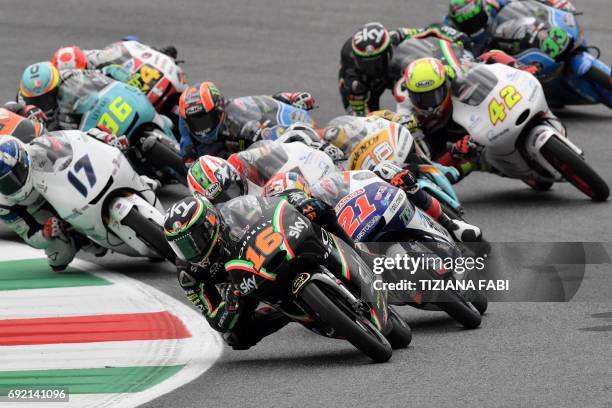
x=371, y=210
x=311, y=276
x=89, y=99
x=505, y=111
x=554, y=41
x=93, y=187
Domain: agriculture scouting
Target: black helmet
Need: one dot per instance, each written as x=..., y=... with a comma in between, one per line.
x=372, y=49
x=192, y=227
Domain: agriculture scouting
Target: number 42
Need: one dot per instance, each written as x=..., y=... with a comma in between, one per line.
x=497, y=110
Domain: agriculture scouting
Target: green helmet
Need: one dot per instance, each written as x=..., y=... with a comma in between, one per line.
x=469, y=16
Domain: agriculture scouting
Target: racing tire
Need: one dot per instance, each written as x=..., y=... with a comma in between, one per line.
x=164, y=156
x=459, y=309
x=151, y=233
x=400, y=335
x=354, y=328
x=599, y=77
x=480, y=301
x=575, y=170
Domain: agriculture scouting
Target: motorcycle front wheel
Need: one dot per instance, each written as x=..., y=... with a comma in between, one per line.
x=149, y=232
x=575, y=170
x=335, y=313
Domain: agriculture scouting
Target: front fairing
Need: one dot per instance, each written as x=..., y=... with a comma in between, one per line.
x=537, y=34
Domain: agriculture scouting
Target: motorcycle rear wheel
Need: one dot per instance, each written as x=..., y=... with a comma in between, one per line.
x=459, y=309
x=354, y=328
x=575, y=170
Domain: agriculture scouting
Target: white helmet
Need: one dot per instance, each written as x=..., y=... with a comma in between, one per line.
x=15, y=175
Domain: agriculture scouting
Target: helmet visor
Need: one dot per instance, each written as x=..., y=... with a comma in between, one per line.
x=373, y=66
x=233, y=189
x=12, y=181
x=46, y=102
x=192, y=247
x=204, y=123
x=429, y=100
x=473, y=21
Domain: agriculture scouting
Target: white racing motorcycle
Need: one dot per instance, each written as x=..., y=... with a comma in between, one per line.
x=93, y=187
x=505, y=110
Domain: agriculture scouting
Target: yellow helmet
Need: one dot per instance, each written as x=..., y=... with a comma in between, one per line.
x=427, y=82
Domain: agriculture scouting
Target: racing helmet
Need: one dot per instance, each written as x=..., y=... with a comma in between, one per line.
x=469, y=16
x=71, y=57
x=372, y=49
x=216, y=180
x=192, y=228
x=428, y=83
x=15, y=177
x=202, y=107
x=39, y=86
x=286, y=181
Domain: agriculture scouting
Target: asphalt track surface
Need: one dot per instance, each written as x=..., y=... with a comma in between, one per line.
x=524, y=354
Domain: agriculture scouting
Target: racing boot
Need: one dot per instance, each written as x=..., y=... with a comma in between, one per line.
x=461, y=230
x=153, y=184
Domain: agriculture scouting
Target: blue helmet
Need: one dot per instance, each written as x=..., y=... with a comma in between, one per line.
x=15, y=181
x=39, y=86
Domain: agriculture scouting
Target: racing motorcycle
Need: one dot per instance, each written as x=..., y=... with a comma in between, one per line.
x=553, y=40
x=367, y=141
x=273, y=115
x=315, y=279
x=92, y=186
x=89, y=99
x=156, y=74
x=505, y=110
x=371, y=210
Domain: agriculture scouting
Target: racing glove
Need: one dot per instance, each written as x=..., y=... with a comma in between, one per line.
x=322, y=214
x=53, y=228
x=300, y=100
x=35, y=113
x=118, y=142
x=466, y=149
x=329, y=149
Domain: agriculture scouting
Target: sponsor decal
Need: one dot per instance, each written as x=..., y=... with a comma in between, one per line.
x=369, y=34
x=299, y=282
x=424, y=84
x=297, y=228
x=248, y=285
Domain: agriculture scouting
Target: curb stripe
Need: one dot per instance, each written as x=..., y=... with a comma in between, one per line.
x=36, y=274
x=88, y=329
x=91, y=380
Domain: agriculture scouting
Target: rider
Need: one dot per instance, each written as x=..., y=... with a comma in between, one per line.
x=204, y=129
x=474, y=17
x=198, y=233
x=429, y=86
x=365, y=62
x=22, y=121
x=24, y=210
x=219, y=180
x=74, y=57
x=39, y=87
